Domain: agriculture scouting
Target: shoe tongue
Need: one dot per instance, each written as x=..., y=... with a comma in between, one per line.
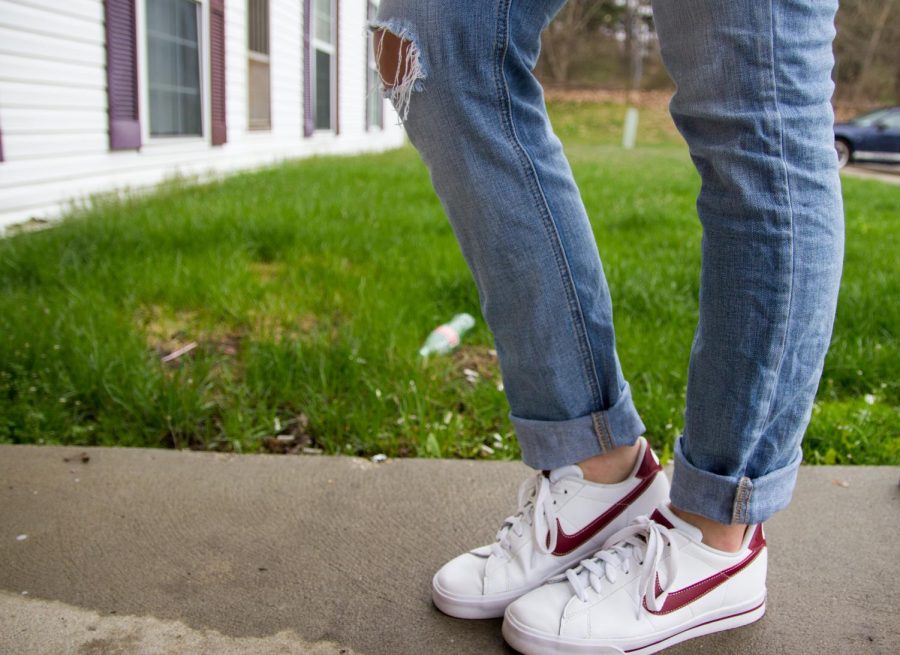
x=693, y=533
x=572, y=471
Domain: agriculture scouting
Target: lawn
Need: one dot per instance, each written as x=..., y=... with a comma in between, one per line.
x=305, y=291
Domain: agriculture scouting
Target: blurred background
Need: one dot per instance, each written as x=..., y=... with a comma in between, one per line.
x=611, y=45
x=251, y=259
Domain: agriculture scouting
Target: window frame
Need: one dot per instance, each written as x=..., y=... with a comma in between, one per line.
x=261, y=58
x=153, y=141
x=890, y=121
x=332, y=50
x=372, y=67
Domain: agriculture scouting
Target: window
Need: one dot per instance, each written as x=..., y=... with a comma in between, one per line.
x=324, y=55
x=259, y=88
x=374, y=101
x=871, y=118
x=173, y=67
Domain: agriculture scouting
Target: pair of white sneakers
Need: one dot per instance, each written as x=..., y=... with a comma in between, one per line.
x=595, y=568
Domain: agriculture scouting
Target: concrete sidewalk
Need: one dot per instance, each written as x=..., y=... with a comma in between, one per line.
x=889, y=173
x=151, y=551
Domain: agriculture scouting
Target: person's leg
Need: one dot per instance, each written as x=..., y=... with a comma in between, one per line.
x=460, y=76
x=752, y=101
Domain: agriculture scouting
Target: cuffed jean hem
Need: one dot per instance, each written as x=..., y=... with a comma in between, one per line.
x=551, y=444
x=731, y=500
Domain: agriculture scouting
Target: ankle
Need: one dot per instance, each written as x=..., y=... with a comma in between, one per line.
x=611, y=467
x=716, y=535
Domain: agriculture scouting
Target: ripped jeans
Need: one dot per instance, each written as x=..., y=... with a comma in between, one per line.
x=753, y=103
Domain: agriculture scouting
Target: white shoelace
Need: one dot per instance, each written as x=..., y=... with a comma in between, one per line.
x=535, y=509
x=642, y=543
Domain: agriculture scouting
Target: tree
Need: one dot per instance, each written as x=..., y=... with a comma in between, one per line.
x=575, y=24
x=867, y=68
x=612, y=43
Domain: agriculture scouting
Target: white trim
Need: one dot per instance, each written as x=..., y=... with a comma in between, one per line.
x=160, y=142
x=259, y=58
x=330, y=49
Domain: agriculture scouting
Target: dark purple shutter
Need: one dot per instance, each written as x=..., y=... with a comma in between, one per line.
x=121, y=75
x=217, y=70
x=337, y=66
x=309, y=124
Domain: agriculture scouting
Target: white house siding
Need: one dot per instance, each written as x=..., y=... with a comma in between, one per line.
x=53, y=105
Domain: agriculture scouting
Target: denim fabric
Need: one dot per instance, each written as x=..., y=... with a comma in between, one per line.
x=752, y=102
x=477, y=117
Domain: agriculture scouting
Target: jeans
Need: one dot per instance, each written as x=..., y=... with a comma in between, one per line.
x=753, y=103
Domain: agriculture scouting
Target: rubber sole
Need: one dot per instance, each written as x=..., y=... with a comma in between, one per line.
x=491, y=607
x=531, y=642
x=487, y=607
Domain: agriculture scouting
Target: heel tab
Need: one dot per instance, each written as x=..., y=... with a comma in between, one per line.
x=659, y=517
x=649, y=466
x=758, y=541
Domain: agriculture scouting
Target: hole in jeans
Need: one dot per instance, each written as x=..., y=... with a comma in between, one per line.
x=399, y=66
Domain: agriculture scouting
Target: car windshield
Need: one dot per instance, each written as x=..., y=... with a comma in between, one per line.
x=871, y=118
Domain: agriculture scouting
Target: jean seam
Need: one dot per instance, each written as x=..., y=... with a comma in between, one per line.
x=742, y=500
x=787, y=184
x=600, y=422
x=540, y=200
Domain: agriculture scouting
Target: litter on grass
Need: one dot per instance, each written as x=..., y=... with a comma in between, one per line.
x=175, y=354
x=444, y=338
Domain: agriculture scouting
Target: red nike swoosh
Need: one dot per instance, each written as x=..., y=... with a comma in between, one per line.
x=678, y=599
x=566, y=543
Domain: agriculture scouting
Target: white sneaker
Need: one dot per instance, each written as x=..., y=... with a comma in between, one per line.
x=653, y=585
x=561, y=519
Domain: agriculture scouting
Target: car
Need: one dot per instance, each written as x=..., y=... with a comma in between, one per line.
x=872, y=137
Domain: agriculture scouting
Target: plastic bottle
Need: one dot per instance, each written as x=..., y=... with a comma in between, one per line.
x=446, y=337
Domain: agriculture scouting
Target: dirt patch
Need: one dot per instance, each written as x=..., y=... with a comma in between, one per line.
x=38, y=626
x=843, y=110
x=292, y=438
x=167, y=331
x=33, y=224
x=267, y=271
x=227, y=344
x=271, y=327
x=177, y=336
x=474, y=362
x=650, y=99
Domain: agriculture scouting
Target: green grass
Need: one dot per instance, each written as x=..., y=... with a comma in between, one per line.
x=309, y=288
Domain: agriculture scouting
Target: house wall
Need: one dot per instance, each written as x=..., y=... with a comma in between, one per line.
x=53, y=105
